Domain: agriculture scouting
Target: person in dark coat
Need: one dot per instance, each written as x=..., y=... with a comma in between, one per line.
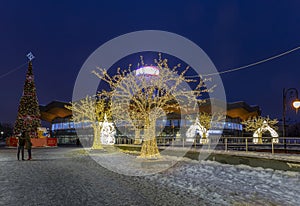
x=21, y=144
x=28, y=145
x=77, y=142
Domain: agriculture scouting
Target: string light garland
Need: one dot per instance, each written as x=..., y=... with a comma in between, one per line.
x=13, y=70
x=249, y=65
x=204, y=75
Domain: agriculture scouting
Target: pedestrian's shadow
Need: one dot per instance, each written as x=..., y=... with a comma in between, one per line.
x=41, y=160
x=32, y=160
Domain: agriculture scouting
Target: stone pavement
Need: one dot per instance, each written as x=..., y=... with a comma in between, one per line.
x=57, y=176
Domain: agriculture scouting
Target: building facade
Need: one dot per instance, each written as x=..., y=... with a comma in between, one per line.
x=63, y=128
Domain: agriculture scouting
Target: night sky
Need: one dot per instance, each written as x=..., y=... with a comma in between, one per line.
x=62, y=35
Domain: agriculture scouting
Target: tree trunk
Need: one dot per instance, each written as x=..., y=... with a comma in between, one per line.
x=259, y=138
x=137, y=138
x=149, y=147
x=96, y=142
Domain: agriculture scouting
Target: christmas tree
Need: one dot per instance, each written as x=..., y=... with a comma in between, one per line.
x=28, y=113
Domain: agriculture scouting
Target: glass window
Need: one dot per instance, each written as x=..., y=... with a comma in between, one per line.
x=77, y=125
x=66, y=125
x=176, y=122
x=58, y=126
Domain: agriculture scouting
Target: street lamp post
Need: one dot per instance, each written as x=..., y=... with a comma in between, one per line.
x=296, y=105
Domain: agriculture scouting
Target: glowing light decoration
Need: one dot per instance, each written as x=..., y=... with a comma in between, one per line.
x=147, y=95
x=90, y=113
x=256, y=140
x=30, y=56
x=148, y=71
x=28, y=111
x=275, y=140
x=197, y=128
x=108, y=132
x=296, y=104
x=264, y=128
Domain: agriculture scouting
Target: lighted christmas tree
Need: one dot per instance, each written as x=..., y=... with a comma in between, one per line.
x=28, y=113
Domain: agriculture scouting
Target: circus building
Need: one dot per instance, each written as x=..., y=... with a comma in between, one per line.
x=63, y=128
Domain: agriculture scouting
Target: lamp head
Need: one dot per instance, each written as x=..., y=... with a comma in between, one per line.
x=296, y=104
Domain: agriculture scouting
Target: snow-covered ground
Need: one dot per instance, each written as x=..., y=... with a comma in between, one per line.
x=232, y=185
x=71, y=173
x=216, y=183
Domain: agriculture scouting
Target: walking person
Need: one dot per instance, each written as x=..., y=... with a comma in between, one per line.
x=28, y=144
x=21, y=144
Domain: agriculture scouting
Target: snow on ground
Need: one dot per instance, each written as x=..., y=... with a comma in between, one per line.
x=217, y=183
x=233, y=185
x=265, y=155
x=211, y=182
x=131, y=165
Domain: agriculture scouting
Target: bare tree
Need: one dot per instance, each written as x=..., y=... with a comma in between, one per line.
x=142, y=98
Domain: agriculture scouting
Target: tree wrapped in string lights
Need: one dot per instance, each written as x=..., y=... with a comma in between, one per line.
x=259, y=125
x=93, y=111
x=203, y=124
x=143, y=96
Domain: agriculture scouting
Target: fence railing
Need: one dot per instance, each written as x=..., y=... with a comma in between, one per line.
x=267, y=144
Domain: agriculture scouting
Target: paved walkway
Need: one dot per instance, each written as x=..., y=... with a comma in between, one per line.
x=66, y=176
x=56, y=176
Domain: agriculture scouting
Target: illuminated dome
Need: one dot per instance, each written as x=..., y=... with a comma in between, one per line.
x=148, y=71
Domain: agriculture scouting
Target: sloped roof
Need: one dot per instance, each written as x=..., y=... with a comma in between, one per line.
x=238, y=109
x=242, y=110
x=54, y=110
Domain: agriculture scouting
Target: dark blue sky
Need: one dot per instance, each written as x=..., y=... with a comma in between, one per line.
x=62, y=34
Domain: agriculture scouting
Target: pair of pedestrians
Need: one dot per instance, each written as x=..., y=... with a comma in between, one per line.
x=24, y=141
